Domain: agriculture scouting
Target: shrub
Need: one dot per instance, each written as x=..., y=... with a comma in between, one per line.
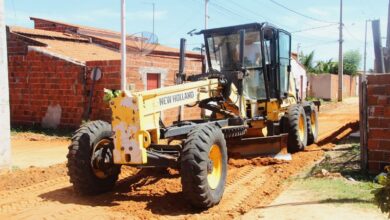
x=382, y=194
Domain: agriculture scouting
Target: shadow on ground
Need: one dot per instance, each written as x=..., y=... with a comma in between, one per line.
x=143, y=191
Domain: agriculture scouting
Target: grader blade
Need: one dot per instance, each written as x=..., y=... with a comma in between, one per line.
x=274, y=146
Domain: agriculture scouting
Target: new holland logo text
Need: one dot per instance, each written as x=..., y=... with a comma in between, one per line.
x=176, y=98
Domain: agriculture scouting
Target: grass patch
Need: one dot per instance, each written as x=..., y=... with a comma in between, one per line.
x=343, y=160
x=341, y=191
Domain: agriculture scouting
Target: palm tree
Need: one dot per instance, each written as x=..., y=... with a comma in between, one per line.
x=325, y=66
x=307, y=61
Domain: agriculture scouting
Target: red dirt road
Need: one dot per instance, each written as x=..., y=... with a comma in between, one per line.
x=38, y=193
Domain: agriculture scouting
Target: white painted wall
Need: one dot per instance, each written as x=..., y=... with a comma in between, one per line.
x=5, y=135
x=297, y=71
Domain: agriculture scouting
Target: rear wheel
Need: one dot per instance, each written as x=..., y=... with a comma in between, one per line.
x=312, y=125
x=90, y=159
x=204, y=166
x=297, y=135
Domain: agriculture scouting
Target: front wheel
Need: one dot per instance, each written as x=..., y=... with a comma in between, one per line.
x=297, y=132
x=90, y=159
x=312, y=125
x=204, y=166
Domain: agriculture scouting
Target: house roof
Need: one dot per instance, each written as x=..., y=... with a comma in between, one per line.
x=75, y=25
x=115, y=37
x=66, y=46
x=79, y=48
x=46, y=34
x=79, y=51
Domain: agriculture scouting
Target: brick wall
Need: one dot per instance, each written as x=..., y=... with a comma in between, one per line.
x=325, y=86
x=42, y=85
x=38, y=82
x=378, y=112
x=111, y=80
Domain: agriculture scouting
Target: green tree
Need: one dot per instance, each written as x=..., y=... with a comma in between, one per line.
x=307, y=61
x=326, y=67
x=352, y=59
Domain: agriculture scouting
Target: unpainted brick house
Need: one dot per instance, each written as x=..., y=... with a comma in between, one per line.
x=50, y=73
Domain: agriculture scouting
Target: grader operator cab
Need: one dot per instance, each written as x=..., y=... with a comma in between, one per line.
x=252, y=99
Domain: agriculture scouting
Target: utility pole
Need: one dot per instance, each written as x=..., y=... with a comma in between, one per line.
x=378, y=49
x=388, y=30
x=365, y=52
x=298, y=49
x=5, y=132
x=206, y=15
x=341, y=65
x=123, y=45
x=387, y=50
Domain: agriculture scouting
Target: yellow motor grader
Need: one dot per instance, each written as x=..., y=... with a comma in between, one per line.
x=249, y=93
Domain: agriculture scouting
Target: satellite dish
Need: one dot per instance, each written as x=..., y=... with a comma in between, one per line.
x=142, y=43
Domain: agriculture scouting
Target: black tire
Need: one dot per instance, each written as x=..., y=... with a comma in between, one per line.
x=195, y=166
x=234, y=132
x=297, y=134
x=312, y=125
x=82, y=174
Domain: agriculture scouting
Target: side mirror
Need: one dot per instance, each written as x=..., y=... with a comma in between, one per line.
x=242, y=46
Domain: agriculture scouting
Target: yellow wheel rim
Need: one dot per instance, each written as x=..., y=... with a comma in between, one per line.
x=215, y=173
x=313, y=122
x=101, y=144
x=301, y=128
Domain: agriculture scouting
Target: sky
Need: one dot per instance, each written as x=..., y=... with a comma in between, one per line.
x=174, y=18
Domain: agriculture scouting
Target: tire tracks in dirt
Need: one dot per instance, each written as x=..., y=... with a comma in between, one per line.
x=28, y=201
x=242, y=187
x=15, y=200
x=152, y=194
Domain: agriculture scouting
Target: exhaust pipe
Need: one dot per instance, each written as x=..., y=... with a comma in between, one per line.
x=180, y=76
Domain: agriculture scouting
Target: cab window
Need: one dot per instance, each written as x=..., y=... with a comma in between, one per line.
x=284, y=62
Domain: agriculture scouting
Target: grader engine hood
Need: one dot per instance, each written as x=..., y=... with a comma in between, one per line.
x=129, y=139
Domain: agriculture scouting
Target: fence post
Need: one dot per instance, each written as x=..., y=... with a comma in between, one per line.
x=363, y=122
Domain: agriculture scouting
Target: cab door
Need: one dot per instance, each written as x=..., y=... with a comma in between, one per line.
x=270, y=51
x=284, y=62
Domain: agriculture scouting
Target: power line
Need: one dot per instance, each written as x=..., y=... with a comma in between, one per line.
x=256, y=14
x=353, y=36
x=321, y=44
x=174, y=30
x=228, y=10
x=313, y=28
x=301, y=14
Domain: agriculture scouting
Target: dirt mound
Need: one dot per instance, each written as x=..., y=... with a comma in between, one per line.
x=31, y=136
x=21, y=178
x=156, y=193
x=257, y=161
